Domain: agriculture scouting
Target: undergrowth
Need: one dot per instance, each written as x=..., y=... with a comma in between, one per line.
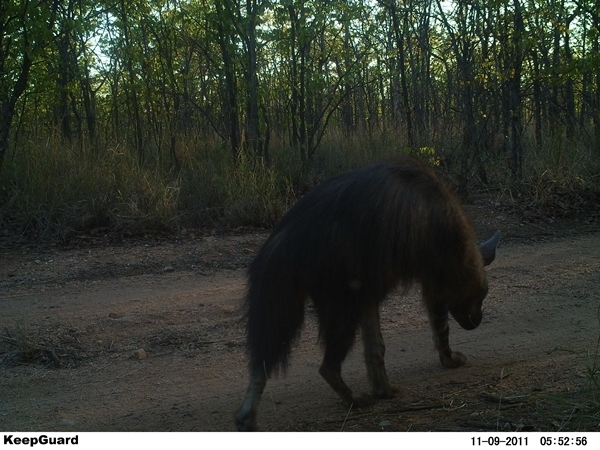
x=49, y=189
x=560, y=179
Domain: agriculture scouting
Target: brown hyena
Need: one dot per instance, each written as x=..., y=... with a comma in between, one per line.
x=345, y=245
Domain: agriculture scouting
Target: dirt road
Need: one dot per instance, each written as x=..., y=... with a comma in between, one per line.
x=92, y=307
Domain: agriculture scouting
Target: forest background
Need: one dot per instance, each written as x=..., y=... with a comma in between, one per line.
x=166, y=114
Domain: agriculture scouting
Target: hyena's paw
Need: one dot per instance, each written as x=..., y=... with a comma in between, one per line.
x=245, y=421
x=362, y=401
x=391, y=390
x=452, y=360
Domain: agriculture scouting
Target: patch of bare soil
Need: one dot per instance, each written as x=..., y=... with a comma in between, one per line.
x=73, y=319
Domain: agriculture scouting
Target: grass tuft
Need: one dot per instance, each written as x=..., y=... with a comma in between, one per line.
x=24, y=348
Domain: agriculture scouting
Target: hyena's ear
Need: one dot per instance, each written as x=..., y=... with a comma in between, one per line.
x=488, y=249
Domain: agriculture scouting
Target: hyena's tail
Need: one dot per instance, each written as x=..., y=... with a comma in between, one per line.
x=275, y=315
x=275, y=312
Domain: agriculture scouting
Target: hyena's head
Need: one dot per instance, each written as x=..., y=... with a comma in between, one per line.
x=465, y=306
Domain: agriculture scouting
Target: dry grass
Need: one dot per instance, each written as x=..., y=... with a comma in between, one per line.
x=57, y=349
x=48, y=189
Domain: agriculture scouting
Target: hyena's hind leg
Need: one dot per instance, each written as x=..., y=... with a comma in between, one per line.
x=338, y=336
x=245, y=418
x=374, y=354
x=274, y=321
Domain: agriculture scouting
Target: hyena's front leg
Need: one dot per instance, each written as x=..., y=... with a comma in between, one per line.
x=438, y=317
x=374, y=354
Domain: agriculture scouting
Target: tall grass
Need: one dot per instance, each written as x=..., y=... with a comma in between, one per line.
x=241, y=192
x=561, y=168
x=49, y=188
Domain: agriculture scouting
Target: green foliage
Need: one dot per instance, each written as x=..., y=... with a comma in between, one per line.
x=430, y=155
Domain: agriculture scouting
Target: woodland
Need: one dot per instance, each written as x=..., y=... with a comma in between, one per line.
x=165, y=114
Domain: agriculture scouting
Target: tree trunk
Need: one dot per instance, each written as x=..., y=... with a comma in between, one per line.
x=131, y=92
x=7, y=106
x=516, y=128
x=230, y=106
x=252, y=118
x=399, y=35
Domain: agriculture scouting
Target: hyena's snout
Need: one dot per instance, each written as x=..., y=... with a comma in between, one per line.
x=469, y=320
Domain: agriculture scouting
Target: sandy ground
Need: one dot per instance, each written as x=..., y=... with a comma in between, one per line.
x=91, y=306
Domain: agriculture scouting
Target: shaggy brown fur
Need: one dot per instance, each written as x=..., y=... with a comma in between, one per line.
x=348, y=243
